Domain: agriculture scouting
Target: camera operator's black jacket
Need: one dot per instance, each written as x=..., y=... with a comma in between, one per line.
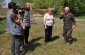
x=68, y=20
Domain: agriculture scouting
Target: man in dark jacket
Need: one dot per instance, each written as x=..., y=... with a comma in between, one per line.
x=69, y=24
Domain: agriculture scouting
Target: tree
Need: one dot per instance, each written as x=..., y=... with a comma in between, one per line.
x=77, y=7
x=44, y=4
x=22, y=2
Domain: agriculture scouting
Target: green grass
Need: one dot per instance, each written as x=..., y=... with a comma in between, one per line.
x=80, y=17
x=36, y=39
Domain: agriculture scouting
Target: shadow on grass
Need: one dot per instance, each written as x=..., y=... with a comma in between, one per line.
x=74, y=40
x=36, y=39
x=31, y=46
x=54, y=38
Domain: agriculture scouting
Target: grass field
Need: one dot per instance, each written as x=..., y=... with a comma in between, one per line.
x=36, y=39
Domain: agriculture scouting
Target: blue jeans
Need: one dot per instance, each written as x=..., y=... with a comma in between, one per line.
x=16, y=41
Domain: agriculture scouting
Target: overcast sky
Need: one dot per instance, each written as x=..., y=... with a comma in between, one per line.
x=7, y=1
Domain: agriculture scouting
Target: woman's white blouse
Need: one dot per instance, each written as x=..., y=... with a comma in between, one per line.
x=49, y=19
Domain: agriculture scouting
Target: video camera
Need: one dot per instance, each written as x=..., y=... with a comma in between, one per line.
x=17, y=8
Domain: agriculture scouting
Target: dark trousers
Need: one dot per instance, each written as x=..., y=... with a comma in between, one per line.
x=67, y=34
x=26, y=34
x=16, y=40
x=48, y=33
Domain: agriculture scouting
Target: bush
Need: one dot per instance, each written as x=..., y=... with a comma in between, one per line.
x=77, y=7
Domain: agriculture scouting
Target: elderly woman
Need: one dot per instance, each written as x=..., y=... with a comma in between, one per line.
x=48, y=24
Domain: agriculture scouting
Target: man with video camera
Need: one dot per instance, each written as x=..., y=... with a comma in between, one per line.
x=14, y=26
x=25, y=13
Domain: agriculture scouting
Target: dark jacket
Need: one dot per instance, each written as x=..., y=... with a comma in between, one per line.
x=68, y=20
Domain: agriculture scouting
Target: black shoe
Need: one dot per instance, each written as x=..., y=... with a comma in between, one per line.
x=70, y=41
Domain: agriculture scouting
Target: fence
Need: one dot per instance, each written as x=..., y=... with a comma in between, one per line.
x=3, y=12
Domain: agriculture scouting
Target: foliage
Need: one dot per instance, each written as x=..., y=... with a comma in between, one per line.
x=77, y=7
x=22, y=2
x=44, y=4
